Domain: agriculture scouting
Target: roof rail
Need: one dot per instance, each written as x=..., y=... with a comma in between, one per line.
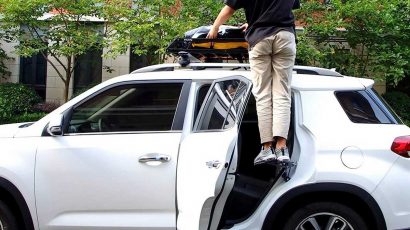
x=232, y=66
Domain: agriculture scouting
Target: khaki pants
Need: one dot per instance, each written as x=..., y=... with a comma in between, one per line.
x=272, y=61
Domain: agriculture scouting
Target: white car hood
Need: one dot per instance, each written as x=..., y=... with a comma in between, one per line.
x=7, y=131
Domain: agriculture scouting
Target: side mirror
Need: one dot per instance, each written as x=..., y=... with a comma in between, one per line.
x=55, y=127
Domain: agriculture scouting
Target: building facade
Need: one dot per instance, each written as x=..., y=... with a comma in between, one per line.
x=92, y=69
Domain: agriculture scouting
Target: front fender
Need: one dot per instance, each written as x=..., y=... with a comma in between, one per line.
x=6, y=187
x=17, y=163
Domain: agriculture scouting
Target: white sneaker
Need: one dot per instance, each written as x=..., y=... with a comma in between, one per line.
x=265, y=155
x=282, y=155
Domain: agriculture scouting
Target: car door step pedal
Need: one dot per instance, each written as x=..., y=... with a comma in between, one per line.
x=287, y=168
x=284, y=168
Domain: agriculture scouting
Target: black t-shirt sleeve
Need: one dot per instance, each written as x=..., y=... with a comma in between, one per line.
x=235, y=4
x=296, y=4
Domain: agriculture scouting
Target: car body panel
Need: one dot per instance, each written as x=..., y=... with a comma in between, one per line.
x=17, y=163
x=392, y=192
x=323, y=131
x=8, y=131
x=202, y=148
x=83, y=185
x=333, y=132
x=197, y=182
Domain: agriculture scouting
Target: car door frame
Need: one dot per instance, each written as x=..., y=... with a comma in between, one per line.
x=177, y=123
x=229, y=177
x=225, y=182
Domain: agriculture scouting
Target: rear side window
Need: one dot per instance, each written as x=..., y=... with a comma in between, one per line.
x=361, y=108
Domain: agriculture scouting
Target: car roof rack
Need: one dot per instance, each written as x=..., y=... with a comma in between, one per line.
x=187, y=61
x=233, y=66
x=195, y=58
x=212, y=53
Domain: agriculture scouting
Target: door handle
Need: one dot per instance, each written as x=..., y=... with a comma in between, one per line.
x=154, y=157
x=213, y=164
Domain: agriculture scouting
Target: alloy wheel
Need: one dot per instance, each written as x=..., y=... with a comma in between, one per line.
x=324, y=221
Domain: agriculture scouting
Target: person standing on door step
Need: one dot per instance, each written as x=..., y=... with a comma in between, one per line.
x=270, y=32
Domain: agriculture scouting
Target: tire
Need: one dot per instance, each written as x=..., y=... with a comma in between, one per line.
x=7, y=219
x=326, y=216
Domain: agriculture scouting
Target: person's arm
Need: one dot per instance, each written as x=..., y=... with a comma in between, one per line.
x=244, y=27
x=223, y=16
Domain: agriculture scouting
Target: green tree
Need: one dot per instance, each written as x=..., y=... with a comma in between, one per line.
x=71, y=29
x=147, y=25
x=377, y=35
x=4, y=73
x=156, y=23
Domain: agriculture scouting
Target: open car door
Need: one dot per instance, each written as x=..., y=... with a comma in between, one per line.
x=209, y=154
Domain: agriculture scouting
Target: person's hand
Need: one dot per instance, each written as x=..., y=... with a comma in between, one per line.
x=244, y=27
x=213, y=33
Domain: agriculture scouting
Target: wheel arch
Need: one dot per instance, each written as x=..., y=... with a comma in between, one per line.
x=16, y=202
x=338, y=192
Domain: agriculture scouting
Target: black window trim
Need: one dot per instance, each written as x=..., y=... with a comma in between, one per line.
x=197, y=107
x=179, y=117
x=177, y=123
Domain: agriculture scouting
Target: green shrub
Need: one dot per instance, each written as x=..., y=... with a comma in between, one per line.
x=15, y=100
x=27, y=117
x=400, y=103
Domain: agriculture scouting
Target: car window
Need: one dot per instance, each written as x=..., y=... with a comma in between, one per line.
x=137, y=107
x=223, y=105
x=361, y=108
x=201, y=94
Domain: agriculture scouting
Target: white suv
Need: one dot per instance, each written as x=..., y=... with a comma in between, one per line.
x=171, y=147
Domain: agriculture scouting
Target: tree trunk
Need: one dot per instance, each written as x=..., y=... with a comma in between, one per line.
x=66, y=89
x=68, y=75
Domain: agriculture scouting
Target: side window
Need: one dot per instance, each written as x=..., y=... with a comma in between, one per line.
x=224, y=104
x=203, y=90
x=360, y=108
x=137, y=107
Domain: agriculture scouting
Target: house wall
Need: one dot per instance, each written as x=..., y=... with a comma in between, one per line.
x=120, y=65
x=13, y=65
x=55, y=86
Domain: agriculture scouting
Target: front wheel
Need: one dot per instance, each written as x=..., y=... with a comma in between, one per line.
x=7, y=219
x=325, y=216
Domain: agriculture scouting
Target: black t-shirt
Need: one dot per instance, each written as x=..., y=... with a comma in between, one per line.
x=266, y=17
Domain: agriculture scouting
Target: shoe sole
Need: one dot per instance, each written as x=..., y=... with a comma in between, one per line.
x=284, y=160
x=264, y=161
